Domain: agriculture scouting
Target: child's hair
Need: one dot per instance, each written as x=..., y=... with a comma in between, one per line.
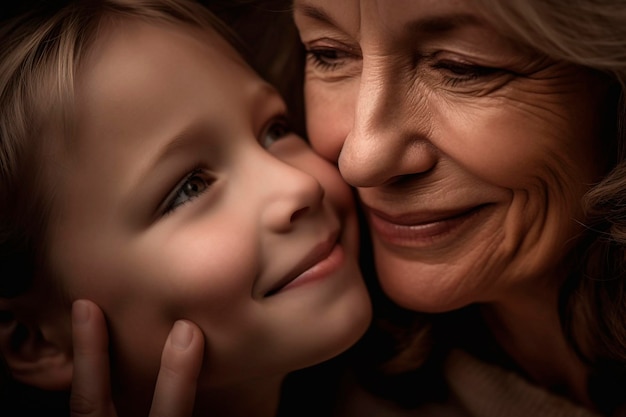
x=42, y=51
x=275, y=50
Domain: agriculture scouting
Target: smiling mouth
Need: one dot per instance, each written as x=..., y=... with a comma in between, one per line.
x=422, y=229
x=322, y=260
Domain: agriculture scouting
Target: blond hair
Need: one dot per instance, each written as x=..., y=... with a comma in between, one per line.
x=41, y=52
x=589, y=33
x=592, y=305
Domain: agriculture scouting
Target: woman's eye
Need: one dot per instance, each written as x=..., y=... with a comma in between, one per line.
x=324, y=58
x=278, y=129
x=455, y=72
x=328, y=59
x=194, y=185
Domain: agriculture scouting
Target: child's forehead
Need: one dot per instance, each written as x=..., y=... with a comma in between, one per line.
x=125, y=34
x=138, y=71
x=128, y=55
x=142, y=72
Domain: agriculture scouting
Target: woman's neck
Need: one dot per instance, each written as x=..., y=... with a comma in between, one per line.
x=259, y=398
x=527, y=327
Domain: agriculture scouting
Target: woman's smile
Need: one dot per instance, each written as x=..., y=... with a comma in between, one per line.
x=425, y=229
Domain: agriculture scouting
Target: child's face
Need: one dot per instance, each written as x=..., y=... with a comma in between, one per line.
x=184, y=197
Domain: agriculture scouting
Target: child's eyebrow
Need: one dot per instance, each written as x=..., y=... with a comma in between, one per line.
x=205, y=133
x=190, y=136
x=183, y=139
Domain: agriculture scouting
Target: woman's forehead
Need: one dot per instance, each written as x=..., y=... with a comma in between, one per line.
x=398, y=20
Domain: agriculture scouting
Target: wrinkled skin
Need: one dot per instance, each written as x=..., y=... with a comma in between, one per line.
x=470, y=153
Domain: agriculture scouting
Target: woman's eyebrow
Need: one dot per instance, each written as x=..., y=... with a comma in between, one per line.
x=425, y=25
x=315, y=13
x=443, y=23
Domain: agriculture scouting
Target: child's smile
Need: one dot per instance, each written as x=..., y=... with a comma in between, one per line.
x=186, y=196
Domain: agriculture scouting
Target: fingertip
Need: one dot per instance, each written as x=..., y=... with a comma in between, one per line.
x=81, y=311
x=181, y=335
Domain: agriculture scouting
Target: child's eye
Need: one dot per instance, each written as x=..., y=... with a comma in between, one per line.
x=277, y=129
x=191, y=187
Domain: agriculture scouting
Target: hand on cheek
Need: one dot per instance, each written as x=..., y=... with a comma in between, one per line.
x=91, y=391
x=181, y=360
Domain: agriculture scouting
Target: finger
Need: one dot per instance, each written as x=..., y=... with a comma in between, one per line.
x=181, y=360
x=91, y=392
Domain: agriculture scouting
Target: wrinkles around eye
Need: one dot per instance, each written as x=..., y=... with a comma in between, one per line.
x=330, y=59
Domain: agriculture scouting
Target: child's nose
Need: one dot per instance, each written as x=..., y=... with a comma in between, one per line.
x=292, y=195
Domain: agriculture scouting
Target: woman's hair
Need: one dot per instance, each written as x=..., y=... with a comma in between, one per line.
x=596, y=300
x=590, y=33
x=585, y=32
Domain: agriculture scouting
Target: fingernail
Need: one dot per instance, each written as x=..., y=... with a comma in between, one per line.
x=181, y=334
x=80, y=312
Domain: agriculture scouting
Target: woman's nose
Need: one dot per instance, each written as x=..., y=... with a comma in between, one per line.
x=390, y=134
x=290, y=195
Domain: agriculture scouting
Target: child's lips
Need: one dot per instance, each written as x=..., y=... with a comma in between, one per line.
x=316, y=264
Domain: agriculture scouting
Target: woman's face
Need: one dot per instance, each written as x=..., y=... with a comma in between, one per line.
x=470, y=153
x=184, y=196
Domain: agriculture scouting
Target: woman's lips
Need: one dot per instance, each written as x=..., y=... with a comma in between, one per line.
x=421, y=229
x=323, y=260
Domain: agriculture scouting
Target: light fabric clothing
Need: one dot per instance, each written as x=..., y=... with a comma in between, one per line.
x=486, y=390
x=477, y=389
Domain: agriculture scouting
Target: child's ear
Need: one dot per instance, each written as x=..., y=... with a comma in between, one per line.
x=33, y=349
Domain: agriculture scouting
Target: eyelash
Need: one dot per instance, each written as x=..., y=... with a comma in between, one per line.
x=327, y=59
x=172, y=204
x=199, y=173
x=463, y=72
x=284, y=128
x=319, y=61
